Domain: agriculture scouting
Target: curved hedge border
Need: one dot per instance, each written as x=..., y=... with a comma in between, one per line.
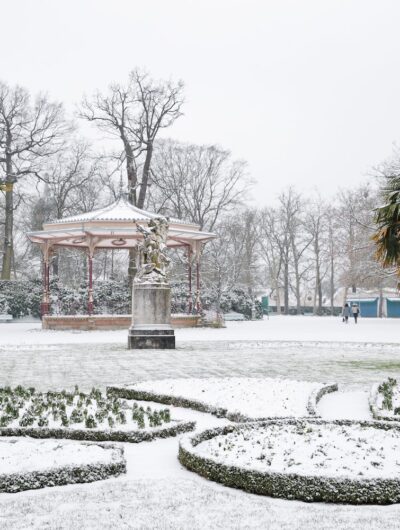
x=316, y=396
x=290, y=485
x=14, y=482
x=134, y=436
x=376, y=411
x=179, y=401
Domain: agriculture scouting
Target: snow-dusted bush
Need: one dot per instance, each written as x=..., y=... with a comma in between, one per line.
x=385, y=400
x=112, y=297
x=239, y=301
x=236, y=299
x=21, y=297
x=237, y=456
x=4, y=307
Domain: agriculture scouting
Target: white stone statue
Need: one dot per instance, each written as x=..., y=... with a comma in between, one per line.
x=153, y=263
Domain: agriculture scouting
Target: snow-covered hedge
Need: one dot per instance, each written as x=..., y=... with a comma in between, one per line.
x=112, y=464
x=291, y=485
x=317, y=394
x=102, y=435
x=79, y=416
x=112, y=296
x=236, y=299
x=238, y=399
x=21, y=298
x=384, y=400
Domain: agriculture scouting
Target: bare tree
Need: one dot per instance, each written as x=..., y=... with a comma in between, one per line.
x=29, y=132
x=197, y=183
x=71, y=180
x=223, y=258
x=300, y=241
x=315, y=226
x=333, y=227
x=135, y=114
x=71, y=185
x=355, y=210
x=270, y=238
x=289, y=207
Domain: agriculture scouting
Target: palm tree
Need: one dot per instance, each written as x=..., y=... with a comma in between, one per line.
x=387, y=217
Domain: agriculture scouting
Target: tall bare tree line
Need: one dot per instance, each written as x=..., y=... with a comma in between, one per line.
x=298, y=250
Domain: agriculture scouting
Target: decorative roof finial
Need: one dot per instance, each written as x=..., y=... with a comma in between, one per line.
x=121, y=186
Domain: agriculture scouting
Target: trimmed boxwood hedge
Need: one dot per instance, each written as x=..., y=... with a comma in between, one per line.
x=14, y=482
x=177, y=401
x=316, y=396
x=136, y=436
x=290, y=485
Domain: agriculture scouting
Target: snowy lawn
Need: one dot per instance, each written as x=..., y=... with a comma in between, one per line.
x=27, y=464
x=307, y=448
x=24, y=455
x=276, y=328
x=233, y=397
x=351, y=405
x=157, y=492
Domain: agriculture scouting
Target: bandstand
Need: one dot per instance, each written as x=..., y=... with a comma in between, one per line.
x=112, y=227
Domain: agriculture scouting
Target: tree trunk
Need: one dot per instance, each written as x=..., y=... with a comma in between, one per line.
x=332, y=266
x=298, y=295
x=9, y=223
x=145, y=176
x=132, y=183
x=332, y=286
x=278, y=300
x=130, y=172
x=286, y=288
x=55, y=265
x=380, y=309
x=318, y=288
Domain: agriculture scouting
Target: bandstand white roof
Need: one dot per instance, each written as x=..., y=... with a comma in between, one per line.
x=114, y=226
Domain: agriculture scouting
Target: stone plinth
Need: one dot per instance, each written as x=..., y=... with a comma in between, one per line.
x=151, y=320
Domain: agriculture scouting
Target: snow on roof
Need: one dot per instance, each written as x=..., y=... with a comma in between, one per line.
x=357, y=300
x=120, y=210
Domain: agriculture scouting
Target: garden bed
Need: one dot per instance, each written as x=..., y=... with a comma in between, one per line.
x=384, y=400
x=31, y=464
x=341, y=461
x=79, y=416
x=236, y=398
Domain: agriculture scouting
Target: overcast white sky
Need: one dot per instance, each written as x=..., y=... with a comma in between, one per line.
x=307, y=91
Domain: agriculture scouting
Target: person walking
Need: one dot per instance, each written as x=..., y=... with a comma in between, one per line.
x=346, y=313
x=355, y=311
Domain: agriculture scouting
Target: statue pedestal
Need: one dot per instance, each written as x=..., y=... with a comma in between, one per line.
x=151, y=317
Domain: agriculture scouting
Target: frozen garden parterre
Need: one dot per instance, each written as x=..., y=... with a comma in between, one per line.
x=220, y=379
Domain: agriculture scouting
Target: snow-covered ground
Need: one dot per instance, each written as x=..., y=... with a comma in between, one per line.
x=349, y=451
x=24, y=455
x=252, y=398
x=157, y=492
x=276, y=328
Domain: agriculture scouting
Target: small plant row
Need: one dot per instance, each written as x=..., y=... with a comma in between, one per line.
x=24, y=407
